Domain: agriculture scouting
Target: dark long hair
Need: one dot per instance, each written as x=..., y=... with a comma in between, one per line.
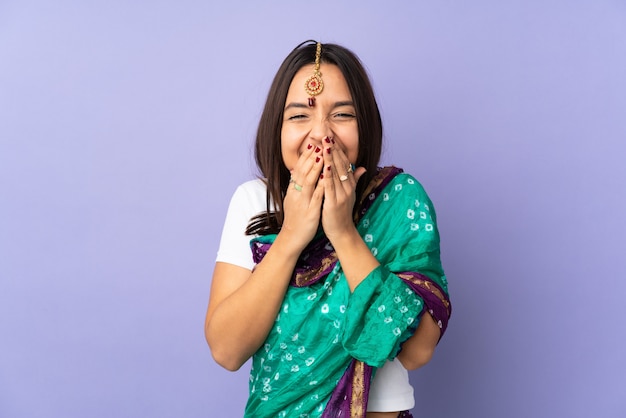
x=268, y=153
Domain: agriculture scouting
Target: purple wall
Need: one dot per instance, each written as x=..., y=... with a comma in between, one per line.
x=125, y=128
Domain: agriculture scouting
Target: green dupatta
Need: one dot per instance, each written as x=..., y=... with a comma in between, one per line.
x=326, y=342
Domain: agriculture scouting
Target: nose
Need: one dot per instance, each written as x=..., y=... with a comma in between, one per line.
x=320, y=129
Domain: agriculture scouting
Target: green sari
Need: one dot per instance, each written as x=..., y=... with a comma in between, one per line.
x=326, y=343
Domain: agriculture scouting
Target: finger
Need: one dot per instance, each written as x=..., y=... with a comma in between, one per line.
x=342, y=168
x=296, y=172
x=318, y=194
x=303, y=157
x=316, y=164
x=358, y=172
x=307, y=168
x=330, y=176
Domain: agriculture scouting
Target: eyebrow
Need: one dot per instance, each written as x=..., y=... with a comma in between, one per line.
x=294, y=104
x=305, y=106
x=345, y=103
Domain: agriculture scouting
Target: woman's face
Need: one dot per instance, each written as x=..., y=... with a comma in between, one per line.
x=333, y=115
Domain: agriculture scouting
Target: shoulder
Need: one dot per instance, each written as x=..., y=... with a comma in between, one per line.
x=405, y=191
x=254, y=186
x=409, y=180
x=407, y=184
x=247, y=200
x=251, y=191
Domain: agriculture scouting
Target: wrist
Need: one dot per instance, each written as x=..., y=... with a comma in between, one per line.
x=356, y=258
x=288, y=244
x=346, y=239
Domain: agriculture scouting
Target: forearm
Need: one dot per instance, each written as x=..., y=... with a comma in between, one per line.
x=419, y=349
x=240, y=323
x=357, y=260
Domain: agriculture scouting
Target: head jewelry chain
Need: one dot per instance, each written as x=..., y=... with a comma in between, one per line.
x=314, y=84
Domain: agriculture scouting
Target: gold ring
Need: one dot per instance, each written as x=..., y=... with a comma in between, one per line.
x=350, y=168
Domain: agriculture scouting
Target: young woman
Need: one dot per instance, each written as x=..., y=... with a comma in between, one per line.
x=328, y=272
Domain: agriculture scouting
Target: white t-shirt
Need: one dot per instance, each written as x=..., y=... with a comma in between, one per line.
x=390, y=389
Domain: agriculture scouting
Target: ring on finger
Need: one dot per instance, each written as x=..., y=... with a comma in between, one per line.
x=350, y=168
x=295, y=185
x=343, y=178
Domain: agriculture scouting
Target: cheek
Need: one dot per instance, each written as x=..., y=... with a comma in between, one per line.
x=289, y=150
x=354, y=153
x=352, y=147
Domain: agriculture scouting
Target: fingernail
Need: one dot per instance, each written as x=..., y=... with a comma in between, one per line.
x=322, y=176
x=332, y=140
x=317, y=149
x=328, y=168
x=327, y=139
x=328, y=150
x=317, y=159
x=309, y=146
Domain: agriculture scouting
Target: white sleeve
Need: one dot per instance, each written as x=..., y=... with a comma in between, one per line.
x=391, y=389
x=247, y=201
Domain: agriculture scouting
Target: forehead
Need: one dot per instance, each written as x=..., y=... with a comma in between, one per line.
x=335, y=84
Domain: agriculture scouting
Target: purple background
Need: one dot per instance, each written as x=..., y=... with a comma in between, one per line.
x=125, y=127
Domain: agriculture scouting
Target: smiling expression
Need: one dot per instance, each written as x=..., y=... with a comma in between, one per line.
x=333, y=115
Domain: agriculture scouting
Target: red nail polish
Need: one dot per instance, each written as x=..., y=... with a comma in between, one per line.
x=327, y=139
x=309, y=146
x=322, y=176
x=317, y=159
x=328, y=150
x=332, y=140
x=317, y=149
x=328, y=168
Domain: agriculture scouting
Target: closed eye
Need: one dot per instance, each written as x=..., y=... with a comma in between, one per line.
x=344, y=115
x=296, y=117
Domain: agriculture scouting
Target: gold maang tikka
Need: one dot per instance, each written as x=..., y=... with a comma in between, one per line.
x=314, y=84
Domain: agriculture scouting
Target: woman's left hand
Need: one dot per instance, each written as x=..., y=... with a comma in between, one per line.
x=339, y=182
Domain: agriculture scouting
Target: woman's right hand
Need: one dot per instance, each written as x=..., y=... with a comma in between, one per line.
x=243, y=304
x=303, y=200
